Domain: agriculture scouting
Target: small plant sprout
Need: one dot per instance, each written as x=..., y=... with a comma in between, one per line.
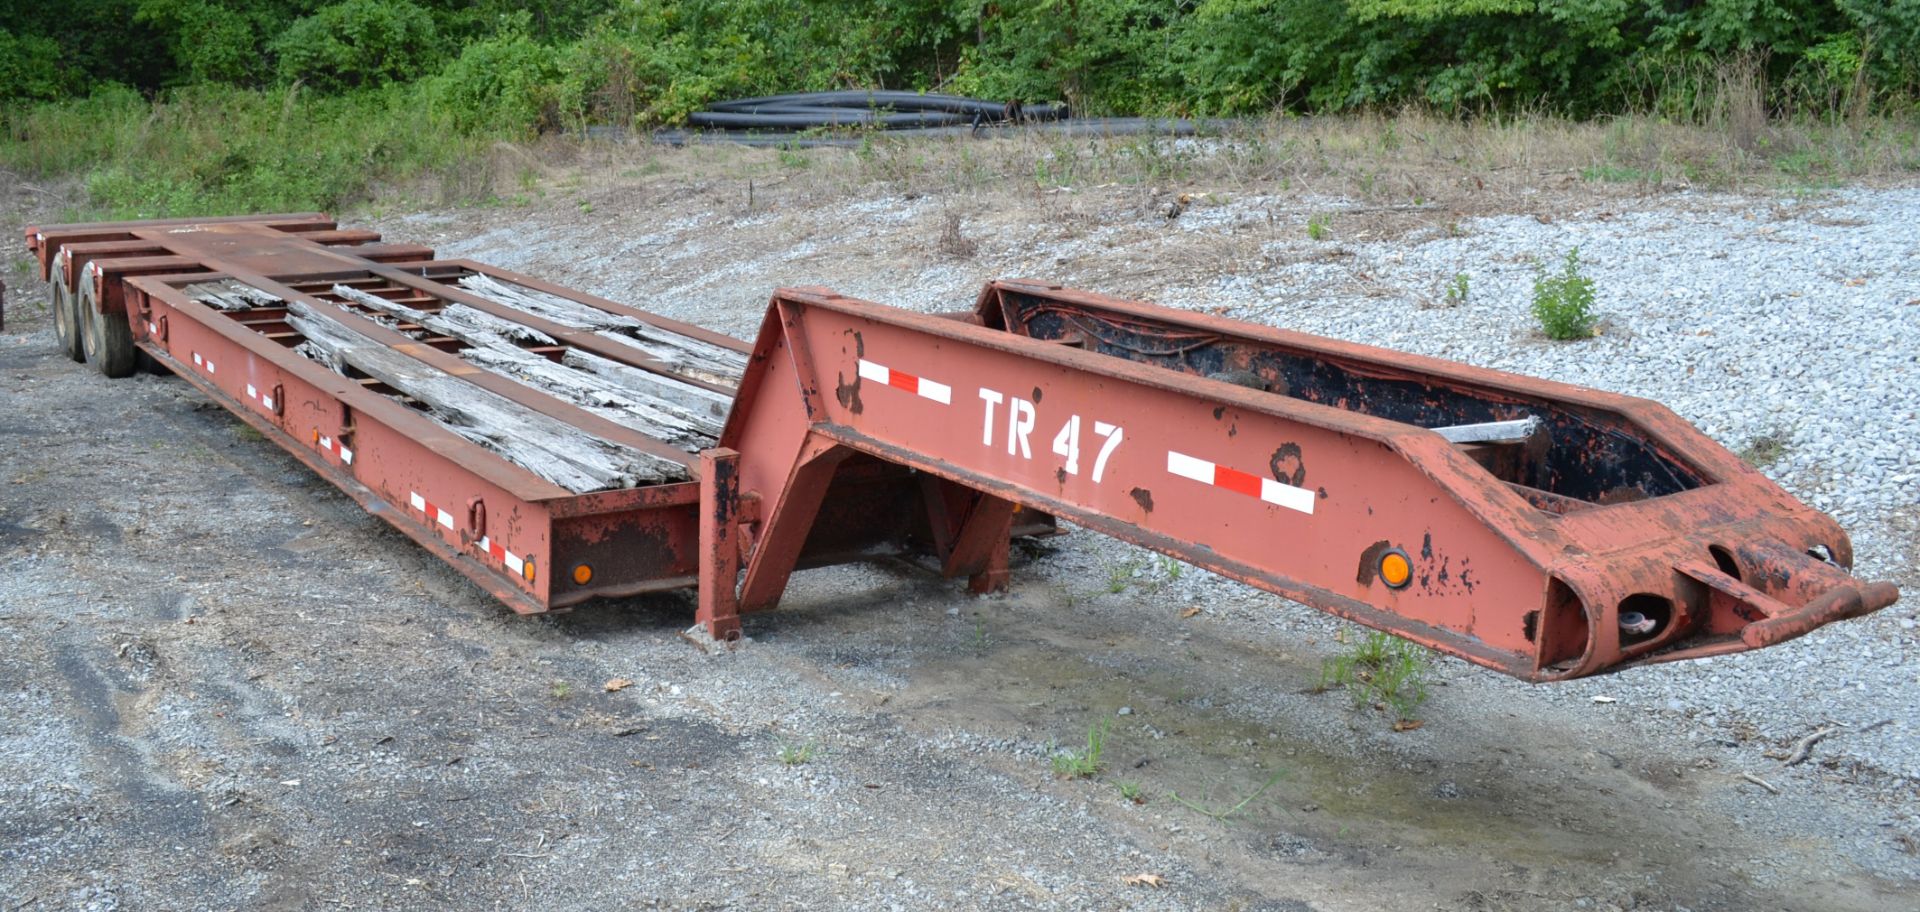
x=561, y=690
x=1381, y=671
x=1131, y=791
x=1319, y=226
x=1170, y=568
x=1457, y=290
x=1563, y=301
x=1765, y=450
x=1086, y=763
x=794, y=753
x=1227, y=812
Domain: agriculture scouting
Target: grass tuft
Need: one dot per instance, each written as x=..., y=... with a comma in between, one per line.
x=796, y=753
x=1084, y=763
x=1765, y=450
x=1382, y=671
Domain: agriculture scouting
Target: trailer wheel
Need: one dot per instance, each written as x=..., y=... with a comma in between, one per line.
x=108, y=337
x=66, y=321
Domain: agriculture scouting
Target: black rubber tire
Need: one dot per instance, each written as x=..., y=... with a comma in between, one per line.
x=66, y=321
x=108, y=338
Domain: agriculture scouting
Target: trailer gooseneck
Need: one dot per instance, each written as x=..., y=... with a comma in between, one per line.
x=554, y=446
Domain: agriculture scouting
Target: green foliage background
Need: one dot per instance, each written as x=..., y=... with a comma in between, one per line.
x=107, y=87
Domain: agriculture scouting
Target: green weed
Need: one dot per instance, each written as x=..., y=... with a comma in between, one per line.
x=1319, y=226
x=1227, y=812
x=221, y=151
x=796, y=753
x=1457, y=290
x=561, y=690
x=1084, y=763
x=1170, y=568
x=1765, y=450
x=1563, y=301
x=1132, y=791
x=1381, y=670
x=1618, y=174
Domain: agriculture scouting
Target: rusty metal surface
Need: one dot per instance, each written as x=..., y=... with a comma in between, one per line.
x=1295, y=464
x=1569, y=532
x=532, y=544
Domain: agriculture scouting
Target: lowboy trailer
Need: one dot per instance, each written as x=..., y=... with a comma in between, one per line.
x=555, y=446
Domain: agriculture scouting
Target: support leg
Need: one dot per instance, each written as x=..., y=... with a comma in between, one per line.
x=784, y=525
x=980, y=547
x=719, y=602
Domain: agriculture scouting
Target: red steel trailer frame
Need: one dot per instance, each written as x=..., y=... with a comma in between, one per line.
x=1540, y=529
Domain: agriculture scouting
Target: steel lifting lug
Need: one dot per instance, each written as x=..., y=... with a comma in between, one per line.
x=477, y=518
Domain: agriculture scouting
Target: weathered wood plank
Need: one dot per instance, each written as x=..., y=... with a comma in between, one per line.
x=548, y=447
x=474, y=327
x=700, y=358
x=693, y=398
x=654, y=417
x=229, y=295
x=656, y=406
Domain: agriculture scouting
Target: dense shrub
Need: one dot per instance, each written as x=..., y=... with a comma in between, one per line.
x=507, y=81
x=30, y=67
x=358, y=43
x=658, y=59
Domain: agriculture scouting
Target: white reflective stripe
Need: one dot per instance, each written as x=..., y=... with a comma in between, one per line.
x=267, y=401
x=419, y=503
x=938, y=392
x=922, y=387
x=252, y=393
x=1286, y=495
x=346, y=456
x=1188, y=467
x=509, y=558
x=196, y=359
x=446, y=519
x=1278, y=493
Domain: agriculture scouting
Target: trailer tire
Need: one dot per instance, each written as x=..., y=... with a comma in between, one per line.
x=66, y=321
x=108, y=337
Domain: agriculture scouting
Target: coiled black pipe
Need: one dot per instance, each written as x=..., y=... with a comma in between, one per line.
x=824, y=117
x=1090, y=127
x=885, y=109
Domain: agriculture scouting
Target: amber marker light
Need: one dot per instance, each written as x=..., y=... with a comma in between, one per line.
x=582, y=574
x=1396, y=569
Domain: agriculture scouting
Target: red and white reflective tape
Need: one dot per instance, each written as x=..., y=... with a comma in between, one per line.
x=265, y=400
x=1277, y=493
x=205, y=364
x=340, y=449
x=433, y=513
x=512, y=560
x=919, y=386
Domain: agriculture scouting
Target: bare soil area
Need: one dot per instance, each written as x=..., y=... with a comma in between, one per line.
x=224, y=686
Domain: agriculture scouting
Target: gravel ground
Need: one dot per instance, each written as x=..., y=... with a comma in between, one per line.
x=298, y=709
